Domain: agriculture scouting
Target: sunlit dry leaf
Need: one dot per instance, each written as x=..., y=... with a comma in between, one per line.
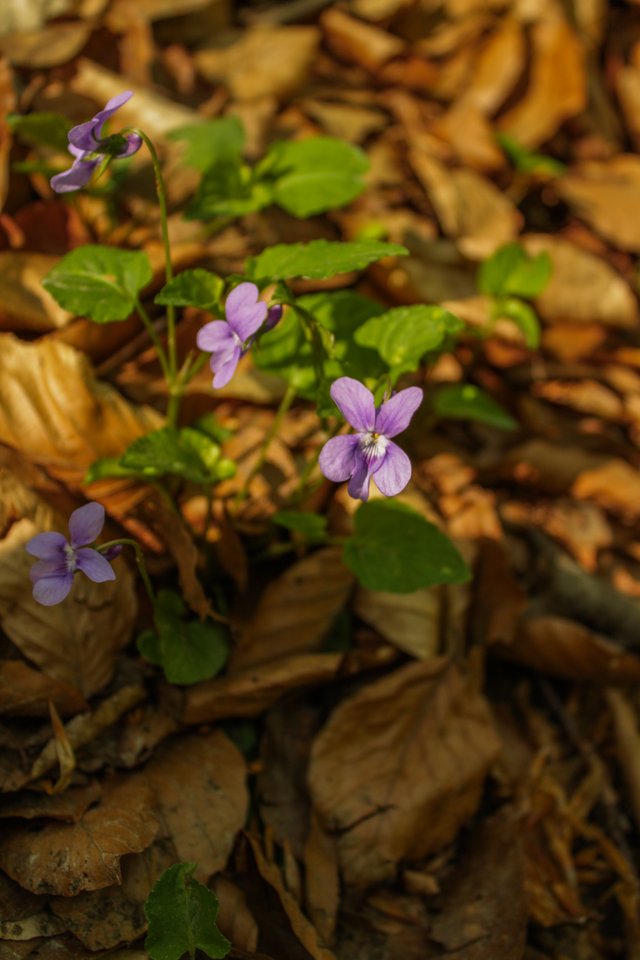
x=603, y=194
x=280, y=59
x=65, y=859
x=583, y=396
x=564, y=648
x=583, y=287
x=54, y=410
x=7, y=106
x=557, y=86
x=24, y=303
x=471, y=210
x=198, y=783
x=497, y=67
x=399, y=767
x=358, y=42
x=615, y=486
x=413, y=622
x=249, y=692
x=581, y=527
x=49, y=47
x=25, y=692
x=628, y=87
x=30, y=14
x=466, y=130
x=296, y=610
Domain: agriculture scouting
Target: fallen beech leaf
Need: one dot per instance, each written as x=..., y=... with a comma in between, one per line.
x=358, y=42
x=470, y=208
x=564, y=648
x=296, y=610
x=7, y=106
x=615, y=486
x=38, y=925
x=583, y=287
x=24, y=303
x=249, y=692
x=399, y=767
x=603, y=193
x=280, y=59
x=413, y=622
x=484, y=912
x=557, y=87
x=69, y=805
x=322, y=886
x=497, y=67
x=470, y=136
x=49, y=47
x=284, y=929
x=583, y=396
x=55, y=412
x=201, y=797
x=25, y=692
x=65, y=859
x=235, y=921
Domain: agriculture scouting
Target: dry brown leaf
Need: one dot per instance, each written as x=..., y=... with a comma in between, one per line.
x=358, y=42
x=583, y=396
x=614, y=486
x=69, y=805
x=484, y=910
x=470, y=136
x=296, y=610
x=25, y=692
x=49, y=47
x=65, y=859
x=235, y=920
x=249, y=692
x=399, y=767
x=564, y=648
x=413, y=622
x=557, y=86
x=497, y=67
x=24, y=303
x=54, y=410
x=280, y=59
x=603, y=194
x=322, y=887
x=628, y=89
x=471, y=209
x=583, y=287
x=198, y=783
x=7, y=106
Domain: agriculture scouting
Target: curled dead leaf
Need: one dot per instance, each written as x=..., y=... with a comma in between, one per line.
x=24, y=302
x=399, y=767
x=25, y=692
x=603, y=193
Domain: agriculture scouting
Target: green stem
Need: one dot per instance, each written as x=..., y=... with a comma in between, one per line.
x=142, y=567
x=285, y=403
x=153, y=336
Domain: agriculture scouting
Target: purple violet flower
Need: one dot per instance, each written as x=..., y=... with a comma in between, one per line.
x=87, y=145
x=59, y=559
x=228, y=340
x=370, y=452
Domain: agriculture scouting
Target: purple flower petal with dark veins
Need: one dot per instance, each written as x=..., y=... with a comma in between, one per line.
x=59, y=559
x=369, y=452
x=274, y=316
x=244, y=312
x=87, y=145
x=85, y=524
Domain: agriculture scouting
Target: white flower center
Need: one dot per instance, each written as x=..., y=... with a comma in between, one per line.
x=373, y=445
x=70, y=555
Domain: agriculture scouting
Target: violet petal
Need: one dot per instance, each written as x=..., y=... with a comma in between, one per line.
x=85, y=136
x=47, y=546
x=48, y=568
x=395, y=414
x=94, y=565
x=359, y=483
x=274, y=316
x=394, y=473
x=355, y=403
x=52, y=590
x=85, y=524
x=77, y=176
x=225, y=367
x=216, y=336
x=134, y=142
x=337, y=458
x=244, y=312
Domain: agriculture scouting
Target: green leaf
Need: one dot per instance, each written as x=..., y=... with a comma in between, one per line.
x=510, y=271
x=187, y=650
x=522, y=315
x=311, y=526
x=403, y=335
x=45, y=129
x=227, y=189
x=187, y=453
x=182, y=917
x=526, y=161
x=467, y=402
x=192, y=288
x=318, y=259
x=287, y=351
x=101, y=283
x=314, y=175
x=211, y=141
x=396, y=550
